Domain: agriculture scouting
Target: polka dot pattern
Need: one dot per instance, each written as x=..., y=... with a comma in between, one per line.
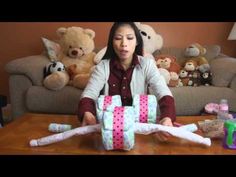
x=143, y=116
x=107, y=102
x=118, y=128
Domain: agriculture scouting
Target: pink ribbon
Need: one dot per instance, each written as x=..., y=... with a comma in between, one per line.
x=143, y=108
x=118, y=128
x=107, y=101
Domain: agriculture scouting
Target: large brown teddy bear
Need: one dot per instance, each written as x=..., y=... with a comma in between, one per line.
x=196, y=52
x=76, y=53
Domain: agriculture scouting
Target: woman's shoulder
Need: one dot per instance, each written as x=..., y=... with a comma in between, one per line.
x=102, y=63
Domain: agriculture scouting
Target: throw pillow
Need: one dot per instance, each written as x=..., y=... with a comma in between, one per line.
x=52, y=49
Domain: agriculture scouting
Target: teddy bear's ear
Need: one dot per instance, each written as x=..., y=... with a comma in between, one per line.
x=90, y=32
x=61, y=31
x=201, y=48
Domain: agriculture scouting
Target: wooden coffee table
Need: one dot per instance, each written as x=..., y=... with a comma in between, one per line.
x=15, y=138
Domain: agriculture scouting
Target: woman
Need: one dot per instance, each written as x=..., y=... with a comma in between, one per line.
x=124, y=71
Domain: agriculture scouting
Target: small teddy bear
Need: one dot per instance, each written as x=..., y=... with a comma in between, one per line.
x=183, y=76
x=196, y=52
x=193, y=74
x=206, y=78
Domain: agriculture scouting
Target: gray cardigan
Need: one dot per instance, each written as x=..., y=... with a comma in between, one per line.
x=145, y=74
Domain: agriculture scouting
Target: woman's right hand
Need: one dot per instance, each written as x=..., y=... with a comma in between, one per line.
x=88, y=119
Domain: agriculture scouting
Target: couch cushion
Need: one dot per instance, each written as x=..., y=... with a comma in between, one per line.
x=192, y=100
x=188, y=100
x=42, y=100
x=220, y=76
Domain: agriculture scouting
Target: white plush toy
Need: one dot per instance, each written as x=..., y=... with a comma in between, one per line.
x=151, y=42
x=53, y=67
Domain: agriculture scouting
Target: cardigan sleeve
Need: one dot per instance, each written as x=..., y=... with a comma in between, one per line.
x=159, y=88
x=96, y=82
x=156, y=81
x=86, y=105
x=167, y=108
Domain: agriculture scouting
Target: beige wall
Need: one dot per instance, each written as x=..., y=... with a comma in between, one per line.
x=23, y=39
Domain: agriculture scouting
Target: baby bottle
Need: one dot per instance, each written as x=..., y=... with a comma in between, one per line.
x=224, y=107
x=223, y=112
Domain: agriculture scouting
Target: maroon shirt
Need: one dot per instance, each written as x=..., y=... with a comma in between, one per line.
x=119, y=84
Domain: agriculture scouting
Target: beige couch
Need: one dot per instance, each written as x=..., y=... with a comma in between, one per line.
x=27, y=94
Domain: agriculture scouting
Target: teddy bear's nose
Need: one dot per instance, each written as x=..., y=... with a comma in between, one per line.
x=74, y=52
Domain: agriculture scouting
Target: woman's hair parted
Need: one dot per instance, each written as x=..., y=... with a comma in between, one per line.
x=110, y=52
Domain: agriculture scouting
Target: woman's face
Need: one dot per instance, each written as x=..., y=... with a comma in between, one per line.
x=124, y=42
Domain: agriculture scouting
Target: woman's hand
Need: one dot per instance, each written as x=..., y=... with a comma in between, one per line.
x=88, y=119
x=163, y=136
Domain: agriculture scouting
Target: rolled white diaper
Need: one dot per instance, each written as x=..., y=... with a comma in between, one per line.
x=105, y=102
x=145, y=107
x=118, y=128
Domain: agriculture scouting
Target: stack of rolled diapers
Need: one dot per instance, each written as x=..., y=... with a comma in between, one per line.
x=106, y=102
x=118, y=128
x=145, y=107
x=118, y=122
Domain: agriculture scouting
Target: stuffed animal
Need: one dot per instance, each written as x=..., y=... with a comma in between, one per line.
x=151, y=42
x=193, y=74
x=196, y=52
x=206, y=78
x=53, y=67
x=73, y=71
x=76, y=48
x=169, y=63
x=183, y=76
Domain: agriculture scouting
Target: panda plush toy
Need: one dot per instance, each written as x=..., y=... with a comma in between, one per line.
x=53, y=67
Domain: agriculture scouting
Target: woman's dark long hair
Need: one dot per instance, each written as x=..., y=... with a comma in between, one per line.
x=110, y=52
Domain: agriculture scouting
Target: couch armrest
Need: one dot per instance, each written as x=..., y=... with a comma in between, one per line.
x=223, y=71
x=233, y=84
x=18, y=87
x=32, y=67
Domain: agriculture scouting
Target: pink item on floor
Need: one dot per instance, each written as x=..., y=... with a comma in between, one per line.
x=212, y=108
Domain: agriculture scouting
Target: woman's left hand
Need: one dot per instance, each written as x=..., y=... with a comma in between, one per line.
x=163, y=136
